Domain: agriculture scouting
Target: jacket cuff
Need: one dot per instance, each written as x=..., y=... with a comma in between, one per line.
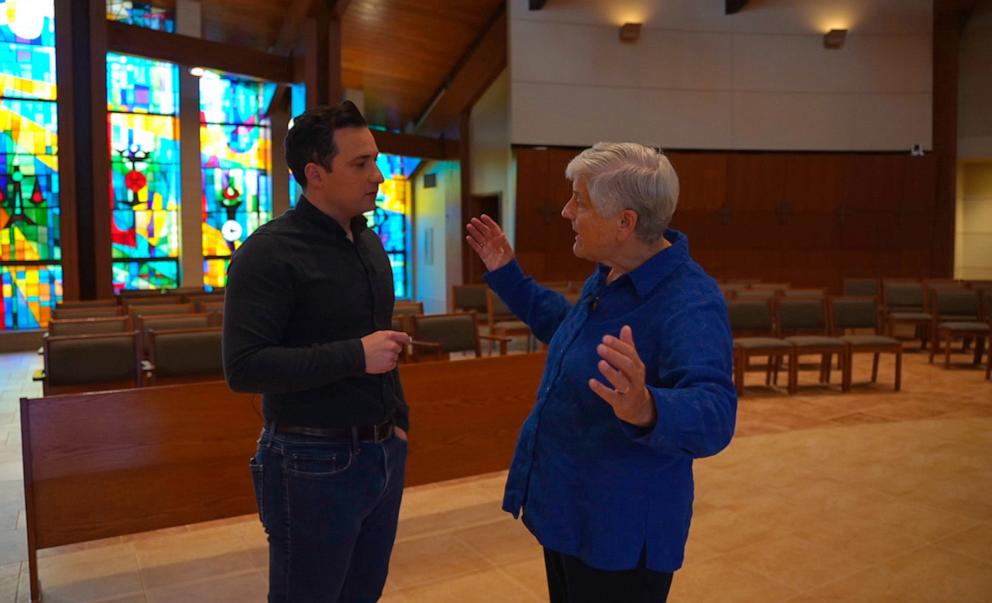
x=505, y=277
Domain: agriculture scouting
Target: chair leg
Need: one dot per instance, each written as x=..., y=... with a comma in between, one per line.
x=825, y=364
x=793, y=372
x=845, y=370
x=771, y=371
x=933, y=349
x=979, y=349
x=898, y=369
x=948, y=339
x=740, y=361
x=874, y=367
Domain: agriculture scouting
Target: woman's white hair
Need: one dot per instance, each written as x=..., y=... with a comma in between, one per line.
x=627, y=175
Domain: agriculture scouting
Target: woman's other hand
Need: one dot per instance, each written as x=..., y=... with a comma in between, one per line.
x=624, y=370
x=489, y=241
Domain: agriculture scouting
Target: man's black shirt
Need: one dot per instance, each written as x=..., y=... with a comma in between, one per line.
x=300, y=296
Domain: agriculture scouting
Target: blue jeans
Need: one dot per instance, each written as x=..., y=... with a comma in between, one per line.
x=330, y=510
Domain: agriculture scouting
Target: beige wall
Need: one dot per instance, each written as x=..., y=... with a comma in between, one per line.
x=973, y=240
x=437, y=215
x=975, y=84
x=698, y=78
x=490, y=153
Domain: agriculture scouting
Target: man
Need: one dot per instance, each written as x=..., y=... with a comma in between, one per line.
x=306, y=323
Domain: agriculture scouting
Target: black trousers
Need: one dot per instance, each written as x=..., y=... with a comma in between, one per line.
x=572, y=581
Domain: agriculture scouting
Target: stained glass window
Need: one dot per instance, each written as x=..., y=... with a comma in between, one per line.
x=141, y=14
x=143, y=105
x=30, y=247
x=297, y=105
x=235, y=141
x=391, y=217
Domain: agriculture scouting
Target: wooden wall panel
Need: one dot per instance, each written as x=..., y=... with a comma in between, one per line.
x=702, y=180
x=806, y=218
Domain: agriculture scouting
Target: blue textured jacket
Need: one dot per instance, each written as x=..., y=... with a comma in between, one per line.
x=590, y=485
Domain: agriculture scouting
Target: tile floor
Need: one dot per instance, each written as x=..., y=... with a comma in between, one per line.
x=869, y=496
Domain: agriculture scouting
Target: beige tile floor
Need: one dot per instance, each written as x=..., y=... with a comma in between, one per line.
x=869, y=496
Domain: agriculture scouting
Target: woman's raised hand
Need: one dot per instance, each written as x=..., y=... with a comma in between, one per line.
x=490, y=242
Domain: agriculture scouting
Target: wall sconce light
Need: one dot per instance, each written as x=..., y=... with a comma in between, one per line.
x=834, y=38
x=197, y=71
x=629, y=32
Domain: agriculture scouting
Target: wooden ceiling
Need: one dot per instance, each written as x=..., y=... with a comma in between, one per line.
x=400, y=53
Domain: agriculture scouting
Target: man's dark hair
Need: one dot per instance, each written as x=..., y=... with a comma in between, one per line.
x=311, y=139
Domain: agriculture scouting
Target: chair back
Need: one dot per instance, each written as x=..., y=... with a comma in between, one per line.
x=130, y=294
x=802, y=315
x=751, y=317
x=151, y=300
x=407, y=308
x=86, y=312
x=853, y=312
x=468, y=298
x=186, y=291
x=755, y=294
x=862, y=287
x=497, y=309
x=954, y=303
x=203, y=297
x=455, y=332
x=805, y=293
x=181, y=353
x=944, y=283
x=135, y=312
x=91, y=362
x=774, y=287
x=89, y=303
x=87, y=326
x=902, y=296
x=169, y=322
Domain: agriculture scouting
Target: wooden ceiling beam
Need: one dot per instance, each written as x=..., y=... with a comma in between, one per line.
x=734, y=6
x=471, y=76
x=290, y=33
x=410, y=145
x=195, y=52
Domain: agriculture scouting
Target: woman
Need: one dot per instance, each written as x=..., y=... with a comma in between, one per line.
x=637, y=383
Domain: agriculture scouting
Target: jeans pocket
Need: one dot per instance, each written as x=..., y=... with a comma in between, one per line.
x=318, y=464
x=256, y=481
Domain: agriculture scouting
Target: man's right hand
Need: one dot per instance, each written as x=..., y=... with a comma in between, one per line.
x=490, y=242
x=382, y=350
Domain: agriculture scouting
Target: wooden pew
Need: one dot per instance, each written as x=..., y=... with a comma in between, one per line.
x=104, y=464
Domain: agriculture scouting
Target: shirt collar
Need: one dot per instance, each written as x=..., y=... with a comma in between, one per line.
x=310, y=212
x=655, y=269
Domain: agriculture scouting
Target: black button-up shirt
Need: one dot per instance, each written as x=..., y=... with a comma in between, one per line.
x=300, y=296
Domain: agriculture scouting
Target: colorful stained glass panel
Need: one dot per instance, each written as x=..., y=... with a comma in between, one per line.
x=30, y=292
x=29, y=186
x=139, y=85
x=145, y=170
x=391, y=217
x=235, y=160
x=156, y=274
x=141, y=14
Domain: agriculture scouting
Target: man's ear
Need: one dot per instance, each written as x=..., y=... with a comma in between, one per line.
x=315, y=176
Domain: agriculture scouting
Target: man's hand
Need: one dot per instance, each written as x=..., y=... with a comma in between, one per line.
x=622, y=367
x=490, y=242
x=398, y=432
x=382, y=350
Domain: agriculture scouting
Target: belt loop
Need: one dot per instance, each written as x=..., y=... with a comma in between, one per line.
x=355, y=446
